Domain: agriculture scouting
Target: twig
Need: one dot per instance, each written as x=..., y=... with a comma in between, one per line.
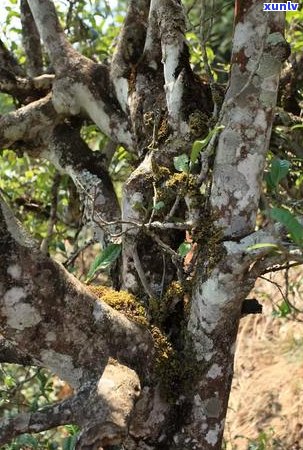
x=154, y=204
x=174, y=208
x=285, y=298
x=77, y=252
x=141, y=273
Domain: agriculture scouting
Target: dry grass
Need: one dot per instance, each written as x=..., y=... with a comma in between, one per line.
x=267, y=392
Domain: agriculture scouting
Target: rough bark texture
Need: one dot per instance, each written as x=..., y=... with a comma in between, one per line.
x=162, y=383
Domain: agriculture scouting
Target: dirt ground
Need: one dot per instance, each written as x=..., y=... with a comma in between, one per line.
x=266, y=403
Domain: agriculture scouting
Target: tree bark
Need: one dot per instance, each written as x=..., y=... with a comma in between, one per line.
x=163, y=383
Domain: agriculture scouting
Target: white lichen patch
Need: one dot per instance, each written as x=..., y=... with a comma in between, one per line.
x=98, y=311
x=212, y=436
x=260, y=120
x=63, y=366
x=50, y=337
x=19, y=315
x=14, y=295
x=121, y=88
x=14, y=271
x=215, y=371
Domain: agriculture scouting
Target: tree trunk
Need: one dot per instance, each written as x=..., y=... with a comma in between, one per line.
x=175, y=363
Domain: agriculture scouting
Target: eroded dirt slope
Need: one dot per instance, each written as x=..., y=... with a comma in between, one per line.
x=266, y=404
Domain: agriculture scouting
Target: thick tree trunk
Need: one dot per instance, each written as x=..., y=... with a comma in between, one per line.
x=183, y=347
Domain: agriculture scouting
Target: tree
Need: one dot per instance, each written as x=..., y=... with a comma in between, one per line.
x=151, y=366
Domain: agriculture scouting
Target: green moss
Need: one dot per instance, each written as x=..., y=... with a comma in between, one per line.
x=175, y=371
x=163, y=131
x=198, y=123
x=160, y=173
x=121, y=301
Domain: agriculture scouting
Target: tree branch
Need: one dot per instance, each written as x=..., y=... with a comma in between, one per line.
x=52, y=34
x=9, y=62
x=34, y=289
x=129, y=49
x=102, y=411
x=248, y=116
x=36, y=126
x=175, y=56
x=25, y=90
x=70, y=153
x=31, y=124
x=31, y=41
x=81, y=85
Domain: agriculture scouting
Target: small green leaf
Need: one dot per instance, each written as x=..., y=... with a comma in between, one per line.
x=184, y=249
x=198, y=146
x=262, y=245
x=61, y=246
x=159, y=205
x=69, y=442
x=283, y=310
x=9, y=381
x=104, y=260
x=278, y=170
x=296, y=127
x=290, y=222
x=181, y=163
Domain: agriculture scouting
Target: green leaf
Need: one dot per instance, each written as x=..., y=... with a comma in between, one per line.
x=61, y=246
x=296, y=127
x=198, y=146
x=104, y=260
x=181, y=163
x=9, y=381
x=262, y=245
x=184, y=249
x=69, y=442
x=159, y=205
x=27, y=440
x=278, y=170
x=290, y=222
x=283, y=310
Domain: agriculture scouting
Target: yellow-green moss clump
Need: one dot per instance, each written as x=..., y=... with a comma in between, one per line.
x=174, y=370
x=121, y=301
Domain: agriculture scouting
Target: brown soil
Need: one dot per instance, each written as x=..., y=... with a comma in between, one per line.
x=266, y=403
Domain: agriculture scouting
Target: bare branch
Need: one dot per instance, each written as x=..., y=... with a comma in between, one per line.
x=31, y=41
x=36, y=127
x=69, y=153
